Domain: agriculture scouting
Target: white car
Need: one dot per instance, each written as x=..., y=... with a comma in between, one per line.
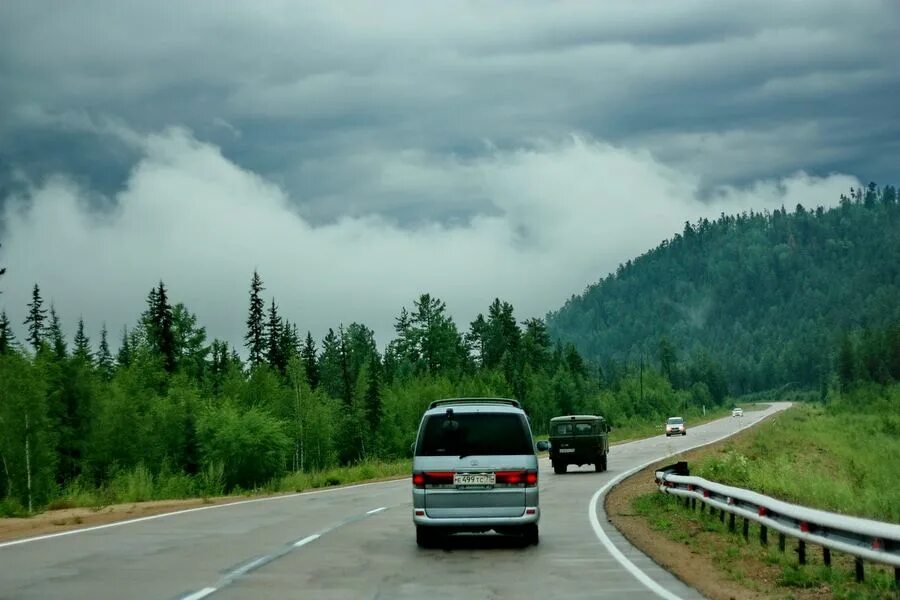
x=675, y=426
x=737, y=412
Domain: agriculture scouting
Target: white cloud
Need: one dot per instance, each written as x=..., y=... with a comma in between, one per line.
x=555, y=217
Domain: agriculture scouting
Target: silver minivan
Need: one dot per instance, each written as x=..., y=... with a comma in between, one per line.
x=475, y=469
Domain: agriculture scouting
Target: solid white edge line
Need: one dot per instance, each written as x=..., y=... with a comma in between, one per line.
x=191, y=510
x=201, y=594
x=376, y=510
x=306, y=540
x=608, y=543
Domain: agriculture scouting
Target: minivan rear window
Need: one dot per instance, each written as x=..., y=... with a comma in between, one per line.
x=469, y=434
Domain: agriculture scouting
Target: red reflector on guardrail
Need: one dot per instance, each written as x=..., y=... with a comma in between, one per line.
x=804, y=526
x=876, y=544
x=761, y=511
x=706, y=493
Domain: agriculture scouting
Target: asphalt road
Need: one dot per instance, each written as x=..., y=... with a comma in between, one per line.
x=359, y=542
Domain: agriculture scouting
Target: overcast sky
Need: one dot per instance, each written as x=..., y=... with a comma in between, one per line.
x=359, y=155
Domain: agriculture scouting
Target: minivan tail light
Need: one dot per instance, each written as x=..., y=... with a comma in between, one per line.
x=529, y=478
x=510, y=477
x=420, y=480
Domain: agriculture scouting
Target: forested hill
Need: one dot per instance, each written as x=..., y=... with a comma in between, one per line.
x=767, y=296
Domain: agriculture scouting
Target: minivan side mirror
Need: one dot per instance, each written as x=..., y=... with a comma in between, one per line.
x=542, y=446
x=412, y=448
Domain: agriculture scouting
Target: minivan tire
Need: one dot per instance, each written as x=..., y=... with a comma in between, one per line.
x=425, y=538
x=531, y=534
x=559, y=468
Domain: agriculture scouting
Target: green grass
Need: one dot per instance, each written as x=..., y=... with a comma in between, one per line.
x=843, y=457
x=836, y=458
x=366, y=471
x=139, y=484
x=759, y=568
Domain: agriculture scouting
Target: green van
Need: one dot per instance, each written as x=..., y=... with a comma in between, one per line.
x=578, y=440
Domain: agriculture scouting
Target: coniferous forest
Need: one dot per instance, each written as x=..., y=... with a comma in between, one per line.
x=749, y=302
x=173, y=405
x=765, y=296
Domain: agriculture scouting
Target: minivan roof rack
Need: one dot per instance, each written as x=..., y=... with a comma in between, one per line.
x=506, y=401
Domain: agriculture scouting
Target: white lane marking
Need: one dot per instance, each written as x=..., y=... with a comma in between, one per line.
x=608, y=543
x=248, y=567
x=191, y=510
x=306, y=540
x=201, y=594
x=376, y=510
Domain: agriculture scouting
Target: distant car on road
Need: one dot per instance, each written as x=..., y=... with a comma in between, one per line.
x=475, y=468
x=737, y=412
x=578, y=440
x=675, y=426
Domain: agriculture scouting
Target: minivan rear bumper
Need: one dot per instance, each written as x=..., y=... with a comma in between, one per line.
x=479, y=522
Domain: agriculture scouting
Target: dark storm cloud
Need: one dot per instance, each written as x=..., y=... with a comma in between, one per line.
x=414, y=123
x=322, y=82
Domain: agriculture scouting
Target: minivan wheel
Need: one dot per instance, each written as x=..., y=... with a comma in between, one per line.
x=598, y=466
x=530, y=534
x=559, y=468
x=424, y=537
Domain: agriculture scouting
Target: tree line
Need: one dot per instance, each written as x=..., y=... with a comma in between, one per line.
x=173, y=403
x=767, y=295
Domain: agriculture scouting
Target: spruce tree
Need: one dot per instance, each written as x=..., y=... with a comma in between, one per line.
x=274, y=354
x=37, y=314
x=310, y=363
x=82, y=350
x=57, y=339
x=104, y=357
x=124, y=356
x=344, y=356
x=160, y=321
x=290, y=343
x=7, y=338
x=255, y=336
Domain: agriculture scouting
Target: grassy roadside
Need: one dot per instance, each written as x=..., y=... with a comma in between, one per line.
x=140, y=485
x=853, y=441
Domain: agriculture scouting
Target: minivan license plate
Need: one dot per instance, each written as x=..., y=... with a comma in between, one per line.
x=474, y=479
x=567, y=450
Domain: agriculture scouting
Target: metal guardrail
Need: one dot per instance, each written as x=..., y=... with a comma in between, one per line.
x=863, y=538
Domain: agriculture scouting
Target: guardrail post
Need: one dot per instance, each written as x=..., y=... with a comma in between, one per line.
x=801, y=551
x=693, y=504
x=860, y=572
x=897, y=577
x=731, y=522
x=781, y=542
x=763, y=535
x=826, y=556
x=702, y=507
x=746, y=529
x=721, y=515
